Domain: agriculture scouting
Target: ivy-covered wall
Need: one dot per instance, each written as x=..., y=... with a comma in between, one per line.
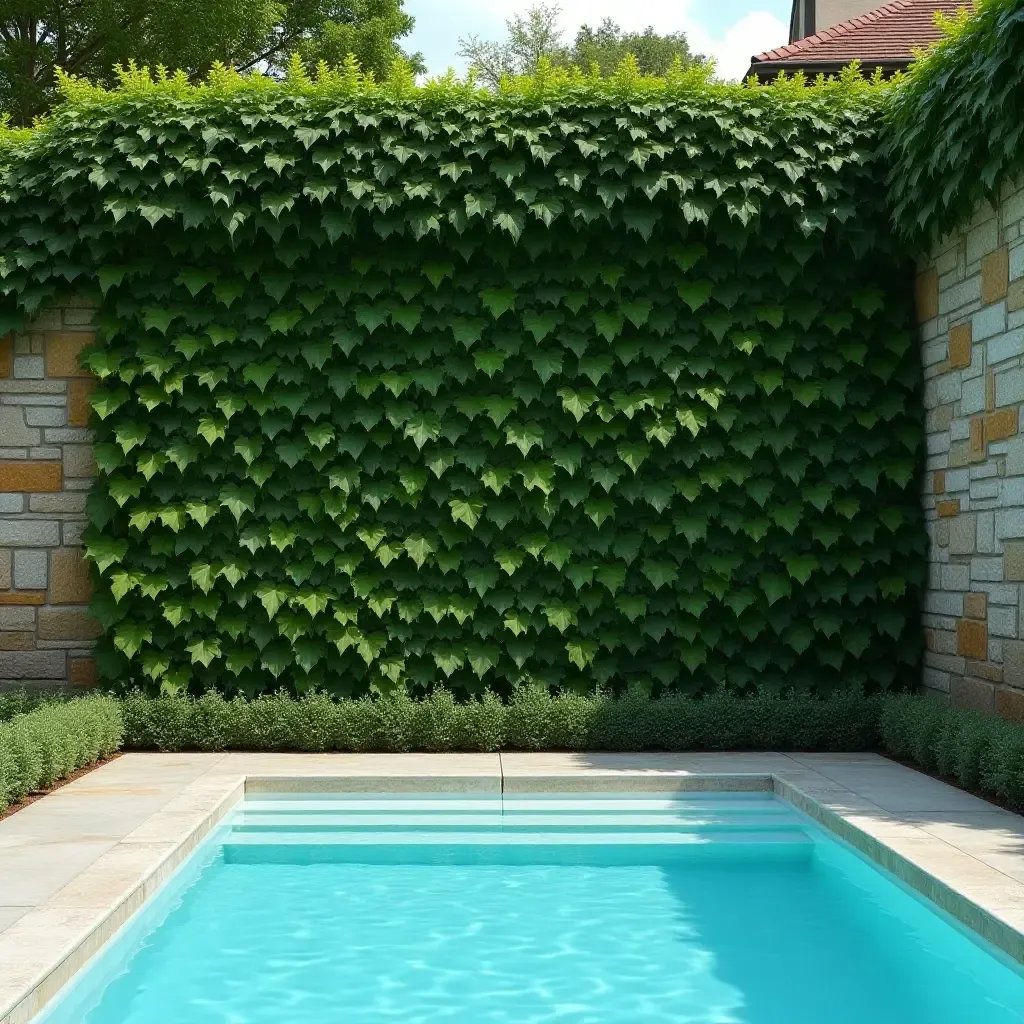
x=591, y=384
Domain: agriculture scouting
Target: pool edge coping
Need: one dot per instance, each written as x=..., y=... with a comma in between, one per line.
x=205, y=802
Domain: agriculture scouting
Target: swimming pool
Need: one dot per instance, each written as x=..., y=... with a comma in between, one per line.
x=518, y=909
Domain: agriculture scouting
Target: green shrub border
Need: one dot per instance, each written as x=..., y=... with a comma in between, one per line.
x=39, y=748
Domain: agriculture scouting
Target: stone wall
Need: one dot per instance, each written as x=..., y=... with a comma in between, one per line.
x=970, y=301
x=46, y=467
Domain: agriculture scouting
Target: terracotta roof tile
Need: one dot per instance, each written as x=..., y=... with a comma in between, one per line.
x=889, y=33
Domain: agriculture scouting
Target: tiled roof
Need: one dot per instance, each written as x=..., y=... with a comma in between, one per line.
x=890, y=33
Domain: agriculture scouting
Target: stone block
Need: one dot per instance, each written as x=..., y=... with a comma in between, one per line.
x=17, y=641
x=971, y=638
x=962, y=535
x=6, y=355
x=939, y=482
x=1010, y=523
x=986, y=534
x=939, y=603
x=935, y=681
x=78, y=460
x=24, y=533
x=1015, y=296
x=1013, y=560
x=62, y=351
x=44, y=416
x=946, y=509
x=984, y=490
x=942, y=533
x=78, y=402
x=69, y=577
x=958, y=480
x=30, y=476
x=936, y=444
x=949, y=387
x=1010, y=704
x=975, y=606
x=30, y=569
x=1013, y=662
x=19, y=618
x=982, y=237
x=976, y=694
x=71, y=533
x=6, y=563
x=955, y=577
x=972, y=397
x=977, y=440
x=959, y=454
x=984, y=670
x=987, y=569
x=13, y=428
x=989, y=322
x=83, y=672
x=25, y=597
x=960, y=346
x=12, y=504
x=65, y=502
x=67, y=624
x=926, y=295
x=32, y=665
x=995, y=275
x=1005, y=346
x=29, y=368
x=1002, y=622
x=990, y=391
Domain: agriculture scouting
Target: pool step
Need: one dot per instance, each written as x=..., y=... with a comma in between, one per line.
x=515, y=820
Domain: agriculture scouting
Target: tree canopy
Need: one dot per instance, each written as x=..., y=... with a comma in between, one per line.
x=89, y=37
x=536, y=34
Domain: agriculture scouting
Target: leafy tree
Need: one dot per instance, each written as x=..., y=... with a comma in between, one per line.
x=88, y=37
x=529, y=38
x=537, y=35
x=607, y=44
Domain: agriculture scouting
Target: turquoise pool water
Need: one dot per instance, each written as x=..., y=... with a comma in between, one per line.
x=675, y=909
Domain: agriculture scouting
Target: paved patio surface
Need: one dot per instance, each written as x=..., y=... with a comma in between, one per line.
x=77, y=863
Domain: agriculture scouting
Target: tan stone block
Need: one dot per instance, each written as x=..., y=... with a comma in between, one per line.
x=5, y=568
x=975, y=694
x=62, y=351
x=6, y=355
x=1013, y=662
x=990, y=391
x=939, y=482
x=995, y=275
x=17, y=641
x=977, y=437
x=79, y=460
x=971, y=639
x=1013, y=560
x=985, y=670
x=78, y=402
x=926, y=295
x=959, y=454
x=67, y=624
x=83, y=672
x=1015, y=296
x=69, y=577
x=948, y=508
x=28, y=476
x=976, y=606
x=1000, y=425
x=960, y=346
x=1010, y=704
x=24, y=597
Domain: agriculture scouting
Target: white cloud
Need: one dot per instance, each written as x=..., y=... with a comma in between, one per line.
x=732, y=44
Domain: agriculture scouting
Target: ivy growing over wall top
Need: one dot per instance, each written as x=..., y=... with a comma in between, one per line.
x=582, y=383
x=956, y=130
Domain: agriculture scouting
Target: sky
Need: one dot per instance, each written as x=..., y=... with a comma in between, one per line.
x=729, y=30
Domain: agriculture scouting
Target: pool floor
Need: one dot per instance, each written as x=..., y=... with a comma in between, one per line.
x=706, y=910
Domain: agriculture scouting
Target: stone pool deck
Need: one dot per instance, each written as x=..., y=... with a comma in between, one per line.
x=77, y=863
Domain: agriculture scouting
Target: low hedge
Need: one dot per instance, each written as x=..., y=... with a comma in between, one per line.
x=41, y=747
x=980, y=752
x=531, y=720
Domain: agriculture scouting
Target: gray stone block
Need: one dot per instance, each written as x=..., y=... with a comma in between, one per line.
x=29, y=368
x=989, y=322
x=12, y=504
x=1002, y=622
x=45, y=416
x=13, y=429
x=30, y=570
x=17, y=617
x=1006, y=346
x=962, y=534
x=26, y=533
x=988, y=569
x=32, y=664
x=1013, y=662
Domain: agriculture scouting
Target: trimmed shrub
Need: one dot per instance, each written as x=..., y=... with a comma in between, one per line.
x=43, y=746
